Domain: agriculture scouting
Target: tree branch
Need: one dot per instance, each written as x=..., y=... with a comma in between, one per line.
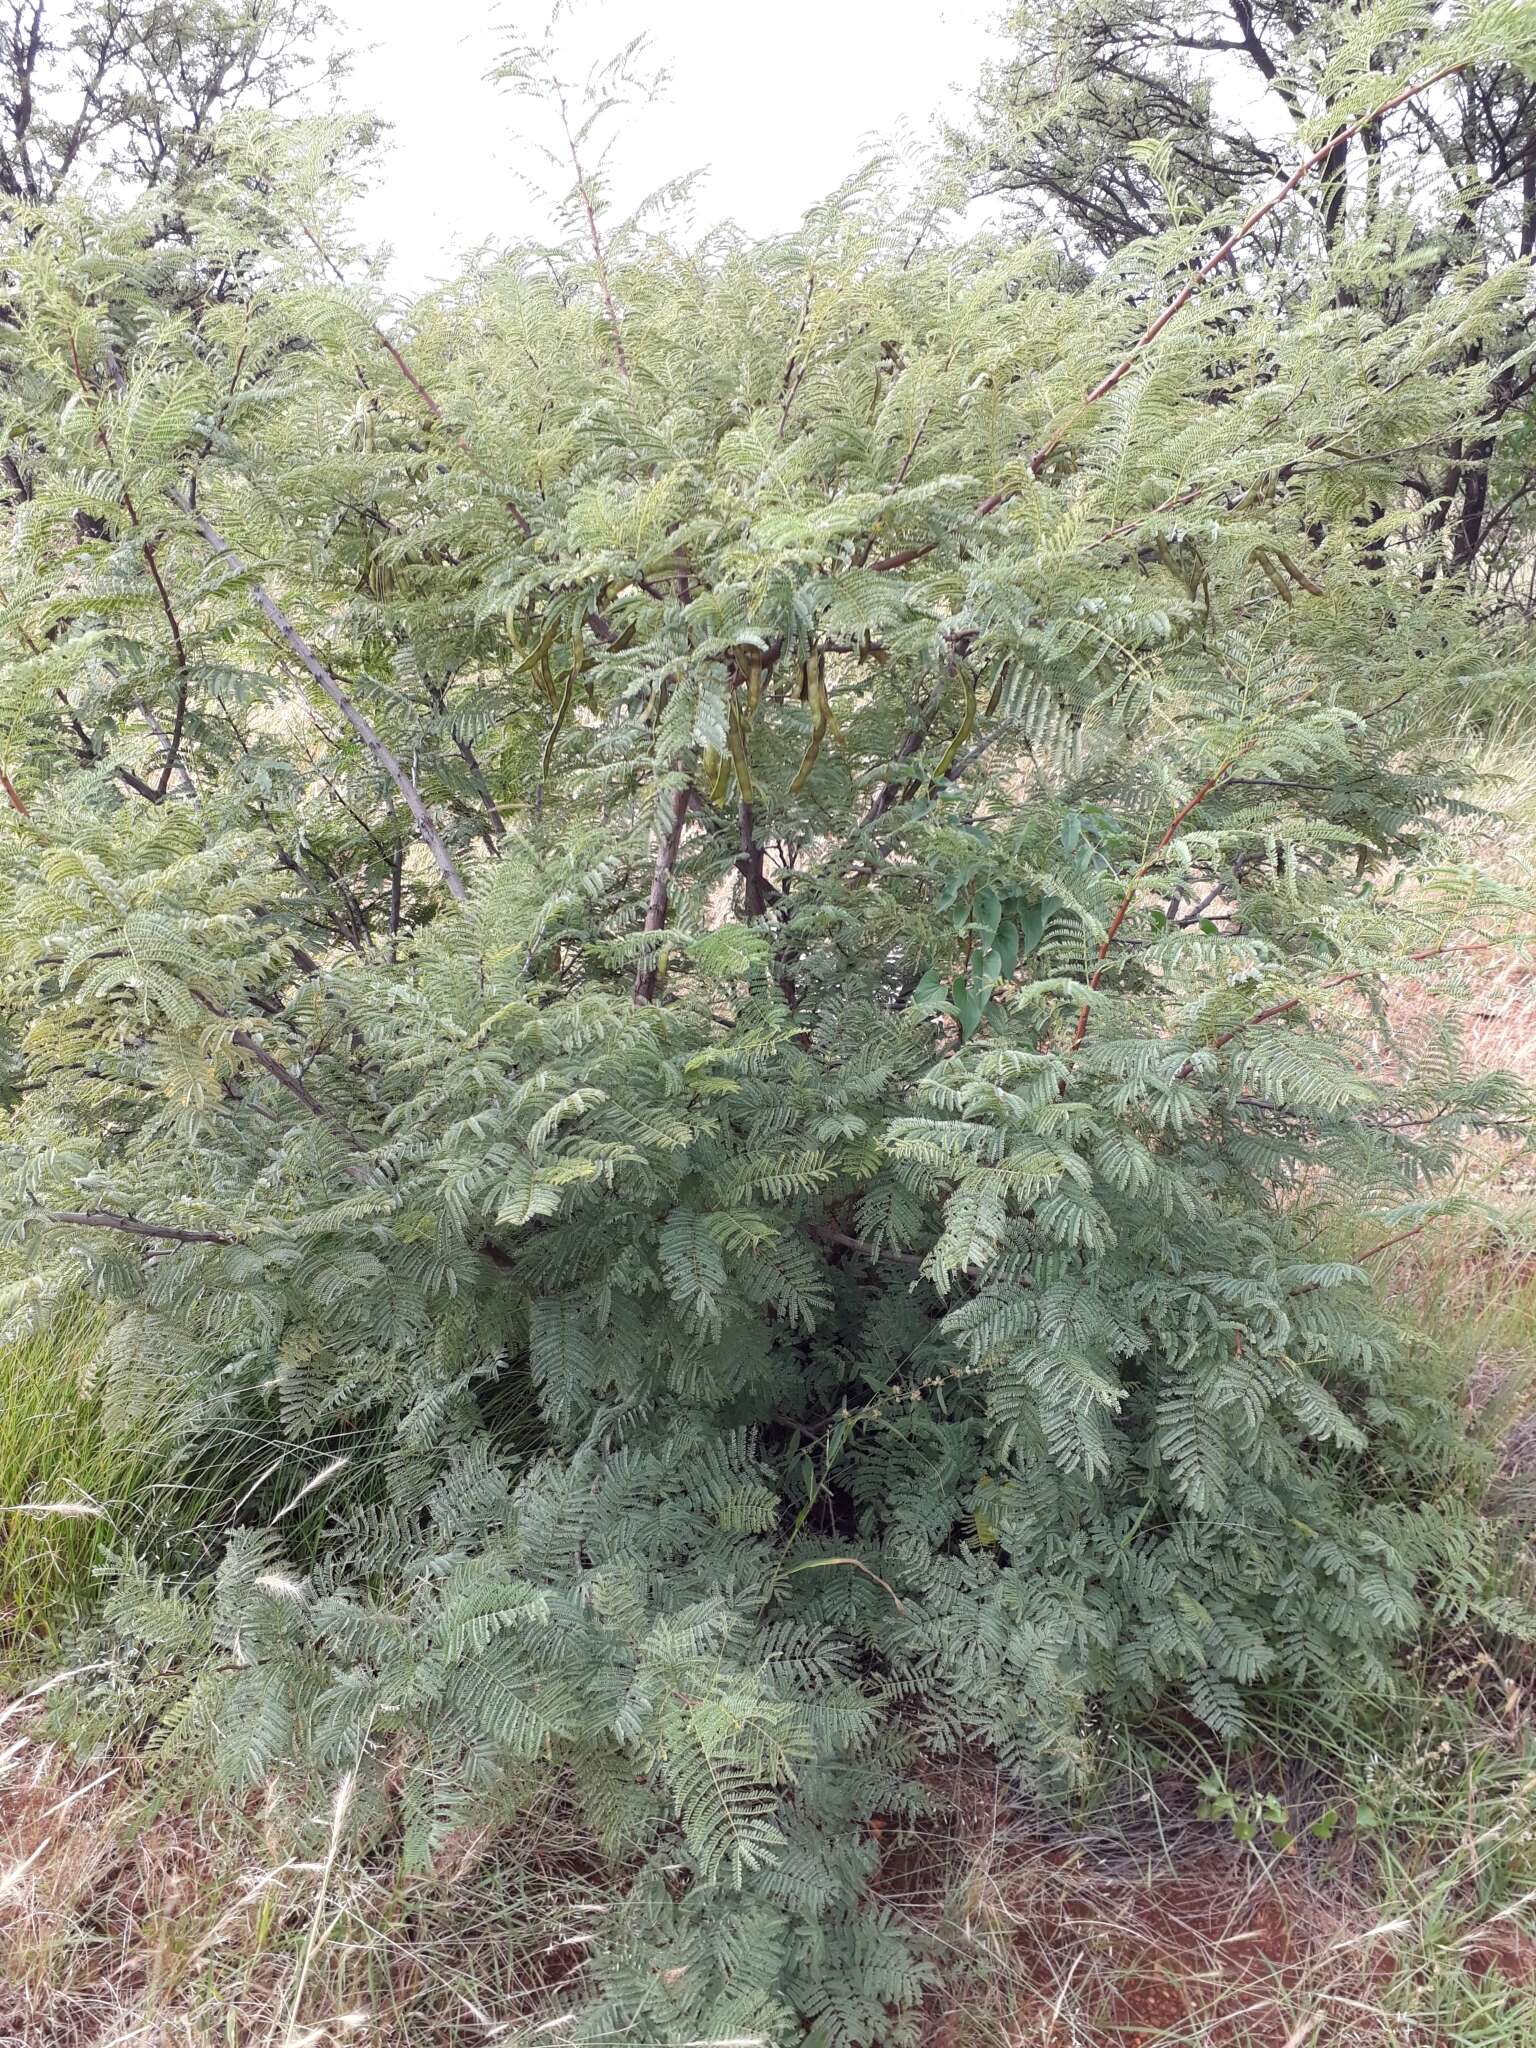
x=309, y=660
x=1283, y=1008
x=1329, y=152
x=1255, y=218
x=108, y=1219
x=411, y=378
x=647, y=971
x=1192, y=804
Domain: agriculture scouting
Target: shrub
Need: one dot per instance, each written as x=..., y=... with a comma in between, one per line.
x=697, y=959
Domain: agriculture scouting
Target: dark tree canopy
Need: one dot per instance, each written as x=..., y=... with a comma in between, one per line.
x=136, y=90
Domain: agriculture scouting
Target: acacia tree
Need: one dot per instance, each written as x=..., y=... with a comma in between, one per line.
x=695, y=940
x=1106, y=123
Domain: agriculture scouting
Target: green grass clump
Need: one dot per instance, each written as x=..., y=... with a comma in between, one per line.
x=66, y=1488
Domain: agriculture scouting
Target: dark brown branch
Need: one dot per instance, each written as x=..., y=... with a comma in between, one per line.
x=758, y=894
x=1328, y=153
x=599, y=254
x=173, y=747
x=295, y=1087
x=647, y=972
x=282, y=1075
x=828, y=1235
x=107, y=1219
x=911, y=740
x=750, y=864
x=172, y=743
x=156, y=793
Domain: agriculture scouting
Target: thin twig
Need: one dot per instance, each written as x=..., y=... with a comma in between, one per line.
x=1211, y=784
x=408, y=373
x=903, y=557
x=310, y=661
x=1289, y=1003
x=817, y=1564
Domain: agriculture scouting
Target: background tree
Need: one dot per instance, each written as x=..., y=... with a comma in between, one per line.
x=134, y=91
x=1112, y=120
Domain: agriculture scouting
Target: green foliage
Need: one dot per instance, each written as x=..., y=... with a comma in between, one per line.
x=697, y=960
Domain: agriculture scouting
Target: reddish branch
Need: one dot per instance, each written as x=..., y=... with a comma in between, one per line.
x=403, y=366
x=1326, y=154
x=1260, y=213
x=1192, y=804
x=599, y=254
x=1372, y=1252
x=1281, y=1009
x=1388, y=1243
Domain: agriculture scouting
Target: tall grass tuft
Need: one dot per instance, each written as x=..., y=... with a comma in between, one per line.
x=66, y=1488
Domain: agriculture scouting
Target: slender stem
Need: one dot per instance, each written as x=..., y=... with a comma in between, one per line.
x=1260, y=213
x=750, y=863
x=309, y=660
x=1240, y=233
x=157, y=793
x=1185, y=809
x=1289, y=1003
x=911, y=740
x=172, y=741
x=599, y=254
x=403, y=366
x=756, y=898
x=1387, y=1243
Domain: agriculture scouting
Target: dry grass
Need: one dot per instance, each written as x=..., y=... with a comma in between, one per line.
x=1398, y=1917
x=1146, y=1926
x=130, y=1920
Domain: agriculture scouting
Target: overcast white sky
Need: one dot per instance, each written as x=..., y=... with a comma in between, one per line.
x=774, y=102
